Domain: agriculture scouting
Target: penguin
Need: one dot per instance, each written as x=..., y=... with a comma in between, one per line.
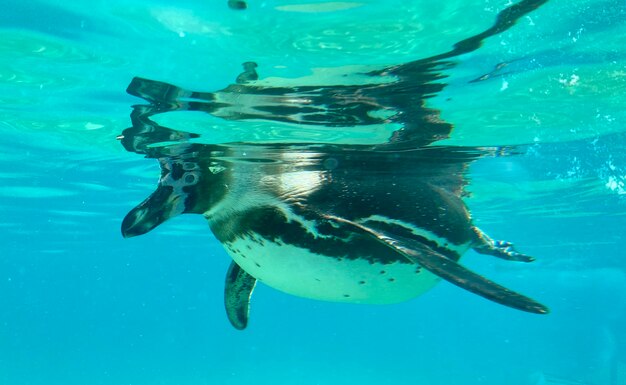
x=330, y=224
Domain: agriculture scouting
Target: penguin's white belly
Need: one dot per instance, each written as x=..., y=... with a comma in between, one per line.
x=300, y=272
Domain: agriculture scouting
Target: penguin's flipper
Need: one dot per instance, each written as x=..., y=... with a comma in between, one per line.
x=455, y=273
x=440, y=265
x=237, y=294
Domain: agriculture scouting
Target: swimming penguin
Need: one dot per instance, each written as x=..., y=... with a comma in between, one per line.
x=378, y=221
x=335, y=225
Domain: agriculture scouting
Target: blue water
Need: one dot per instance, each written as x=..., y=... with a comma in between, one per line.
x=79, y=304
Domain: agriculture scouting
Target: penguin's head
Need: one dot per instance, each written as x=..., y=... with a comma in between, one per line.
x=184, y=187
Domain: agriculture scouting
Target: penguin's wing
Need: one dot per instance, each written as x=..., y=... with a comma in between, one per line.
x=237, y=294
x=437, y=263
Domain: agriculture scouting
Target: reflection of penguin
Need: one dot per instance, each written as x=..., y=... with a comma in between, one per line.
x=249, y=73
x=237, y=4
x=386, y=110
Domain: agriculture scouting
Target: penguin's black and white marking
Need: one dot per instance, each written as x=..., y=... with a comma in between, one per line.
x=361, y=222
x=337, y=225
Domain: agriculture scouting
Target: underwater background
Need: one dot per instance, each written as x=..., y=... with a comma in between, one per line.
x=79, y=304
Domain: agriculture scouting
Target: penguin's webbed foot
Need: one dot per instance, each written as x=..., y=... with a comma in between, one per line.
x=499, y=249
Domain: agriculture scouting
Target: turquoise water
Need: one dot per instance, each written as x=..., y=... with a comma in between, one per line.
x=539, y=105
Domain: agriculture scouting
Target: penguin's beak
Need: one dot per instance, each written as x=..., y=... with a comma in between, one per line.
x=158, y=208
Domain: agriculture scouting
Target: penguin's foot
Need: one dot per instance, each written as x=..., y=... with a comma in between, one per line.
x=500, y=249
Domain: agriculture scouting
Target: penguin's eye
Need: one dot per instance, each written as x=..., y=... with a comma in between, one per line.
x=190, y=179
